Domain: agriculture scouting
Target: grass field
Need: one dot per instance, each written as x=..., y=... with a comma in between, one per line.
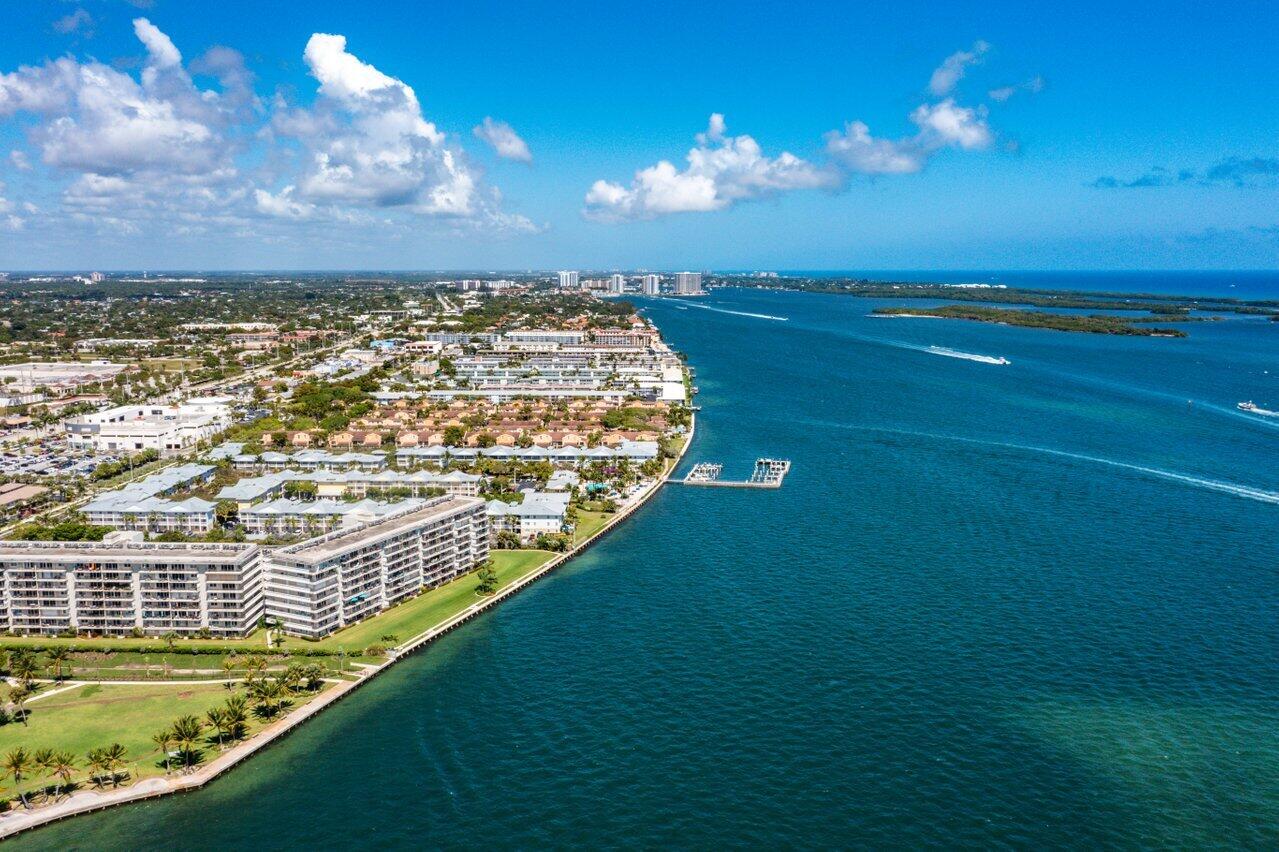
x=428, y=609
x=588, y=523
x=97, y=715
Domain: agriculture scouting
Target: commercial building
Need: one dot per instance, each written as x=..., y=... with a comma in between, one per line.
x=57, y=376
x=688, y=283
x=568, y=280
x=652, y=285
x=111, y=588
x=325, y=583
x=165, y=428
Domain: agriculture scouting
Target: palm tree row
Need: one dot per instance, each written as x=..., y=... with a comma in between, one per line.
x=23, y=765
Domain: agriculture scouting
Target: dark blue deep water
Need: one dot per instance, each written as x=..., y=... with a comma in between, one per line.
x=1030, y=606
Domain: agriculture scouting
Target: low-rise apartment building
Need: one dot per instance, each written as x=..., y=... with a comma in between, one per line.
x=320, y=585
x=113, y=588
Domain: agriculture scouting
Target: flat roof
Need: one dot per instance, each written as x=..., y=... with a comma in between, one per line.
x=336, y=543
x=77, y=551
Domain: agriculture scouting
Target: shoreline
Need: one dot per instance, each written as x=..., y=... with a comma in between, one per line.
x=18, y=821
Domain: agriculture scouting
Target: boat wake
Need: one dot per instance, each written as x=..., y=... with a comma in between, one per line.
x=740, y=313
x=967, y=356
x=1235, y=489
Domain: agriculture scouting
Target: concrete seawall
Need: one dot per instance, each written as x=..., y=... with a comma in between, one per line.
x=16, y=821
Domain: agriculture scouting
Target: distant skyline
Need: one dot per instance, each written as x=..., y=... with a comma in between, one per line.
x=322, y=135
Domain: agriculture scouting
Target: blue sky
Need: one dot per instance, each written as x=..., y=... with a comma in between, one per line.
x=258, y=135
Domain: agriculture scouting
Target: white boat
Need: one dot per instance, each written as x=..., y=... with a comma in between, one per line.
x=1255, y=409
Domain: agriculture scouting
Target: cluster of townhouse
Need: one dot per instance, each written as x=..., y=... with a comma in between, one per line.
x=141, y=505
x=124, y=585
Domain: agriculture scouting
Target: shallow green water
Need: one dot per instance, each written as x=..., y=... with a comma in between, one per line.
x=1026, y=606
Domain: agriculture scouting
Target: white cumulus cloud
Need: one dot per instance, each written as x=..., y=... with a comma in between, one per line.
x=722, y=170
x=368, y=145
x=506, y=143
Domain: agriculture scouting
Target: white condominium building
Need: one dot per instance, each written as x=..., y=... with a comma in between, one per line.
x=546, y=335
x=320, y=585
x=616, y=283
x=166, y=428
x=568, y=280
x=110, y=589
x=688, y=283
x=652, y=285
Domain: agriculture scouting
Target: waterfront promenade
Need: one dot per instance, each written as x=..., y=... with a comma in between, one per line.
x=16, y=821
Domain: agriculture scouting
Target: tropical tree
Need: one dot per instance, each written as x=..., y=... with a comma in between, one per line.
x=228, y=666
x=42, y=760
x=63, y=765
x=164, y=741
x=18, y=695
x=169, y=639
x=267, y=693
x=96, y=763
x=488, y=579
x=59, y=657
x=237, y=713
x=186, y=732
x=292, y=677
x=24, y=665
x=112, y=761
x=253, y=666
x=313, y=675
x=217, y=718
x=17, y=765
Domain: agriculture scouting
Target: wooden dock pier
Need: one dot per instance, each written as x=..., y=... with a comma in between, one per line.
x=768, y=473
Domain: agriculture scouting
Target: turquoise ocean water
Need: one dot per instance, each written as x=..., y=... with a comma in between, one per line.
x=1030, y=606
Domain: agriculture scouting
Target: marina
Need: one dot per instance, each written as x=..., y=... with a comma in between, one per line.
x=768, y=473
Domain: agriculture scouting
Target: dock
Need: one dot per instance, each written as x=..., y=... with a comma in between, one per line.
x=768, y=473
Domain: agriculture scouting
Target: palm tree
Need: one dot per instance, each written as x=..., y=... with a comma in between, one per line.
x=186, y=731
x=237, y=713
x=17, y=763
x=163, y=741
x=170, y=638
x=314, y=676
x=59, y=657
x=267, y=693
x=112, y=760
x=228, y=666
x=253, y=666
x=25, y=666
x=292, y=677
x=218, y=719
x=42, y=759
x=64, y=767
x=95, y=761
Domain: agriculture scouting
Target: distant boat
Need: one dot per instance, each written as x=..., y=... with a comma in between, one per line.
x=1253, y=409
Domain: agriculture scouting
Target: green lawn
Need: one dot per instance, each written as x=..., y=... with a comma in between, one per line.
x=588, y=523
x=96, y=715
x=428, y=609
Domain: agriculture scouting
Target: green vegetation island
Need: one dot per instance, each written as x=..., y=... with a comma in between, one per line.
x=1008, y=305
x=1092, y=323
